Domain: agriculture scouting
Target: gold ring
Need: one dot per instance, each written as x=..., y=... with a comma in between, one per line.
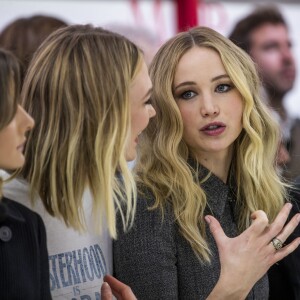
x=277, y=243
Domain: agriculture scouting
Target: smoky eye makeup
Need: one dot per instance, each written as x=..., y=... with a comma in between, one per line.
x=148, y=101
x=224, y=87
x=187, y=95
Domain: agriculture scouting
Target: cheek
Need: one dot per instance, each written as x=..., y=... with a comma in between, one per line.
x=236, y=114
x=268, y=61
x=10, y=158
x=187, y=115
x=137, y=125
x=239, y=115
x=7, y=138
x=139, y=121
x=189, y=120
x=134, y=119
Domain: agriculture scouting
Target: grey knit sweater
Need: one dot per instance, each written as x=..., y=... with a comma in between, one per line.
x=158, y=263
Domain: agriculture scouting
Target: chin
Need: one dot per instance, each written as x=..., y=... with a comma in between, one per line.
x=130, y=156
x=13, y=168
x=19, y=163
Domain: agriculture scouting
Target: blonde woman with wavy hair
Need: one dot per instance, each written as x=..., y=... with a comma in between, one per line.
x=208, y=155
x=88, y=90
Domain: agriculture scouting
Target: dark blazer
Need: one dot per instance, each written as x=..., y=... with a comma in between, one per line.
x=284, y=277
x=24, y=267
x=156, y=261
x=293, y=166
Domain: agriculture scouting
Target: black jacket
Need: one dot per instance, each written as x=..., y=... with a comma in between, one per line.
x=284, y=277
x=24, y=267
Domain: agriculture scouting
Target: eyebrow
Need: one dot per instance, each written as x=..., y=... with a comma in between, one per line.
x=220, y=77
x=194, y=83
x=184, y=84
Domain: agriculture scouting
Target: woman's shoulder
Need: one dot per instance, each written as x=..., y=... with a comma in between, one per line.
x=18, y=212
x=151, y=223
x=147, y=203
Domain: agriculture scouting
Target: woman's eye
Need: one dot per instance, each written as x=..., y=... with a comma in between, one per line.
x=148, y=102
x=188, y=95
x=223, y=88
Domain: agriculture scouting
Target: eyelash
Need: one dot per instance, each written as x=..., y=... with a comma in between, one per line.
x=227, y=86
x=148, y=102
x=183, y=95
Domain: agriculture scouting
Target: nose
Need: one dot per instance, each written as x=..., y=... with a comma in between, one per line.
x=152, y=112
x=287, y=54
x=208, y=108
x=26, y=121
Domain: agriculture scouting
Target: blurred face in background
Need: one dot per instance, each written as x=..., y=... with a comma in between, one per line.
x=271, y=49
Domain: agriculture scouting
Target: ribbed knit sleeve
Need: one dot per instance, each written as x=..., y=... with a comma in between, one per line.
x=136, y=255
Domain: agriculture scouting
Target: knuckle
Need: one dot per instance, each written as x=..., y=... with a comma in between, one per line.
x=262, y=217
x=127, y=292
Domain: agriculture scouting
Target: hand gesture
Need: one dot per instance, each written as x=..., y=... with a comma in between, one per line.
x=252, y=253
x=112, y=286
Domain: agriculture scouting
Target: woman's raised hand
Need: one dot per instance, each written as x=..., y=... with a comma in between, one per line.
x=247, y=257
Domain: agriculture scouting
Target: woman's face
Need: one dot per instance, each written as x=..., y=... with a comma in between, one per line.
x=141, y=109
x=210, y=106
x=12, y=140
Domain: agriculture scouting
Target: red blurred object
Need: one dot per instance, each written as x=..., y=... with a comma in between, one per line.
x=187, y=14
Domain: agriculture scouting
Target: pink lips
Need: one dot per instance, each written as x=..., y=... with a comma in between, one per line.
x=21, y=147
x=214, y=129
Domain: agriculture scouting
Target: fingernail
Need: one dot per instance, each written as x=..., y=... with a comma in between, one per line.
x=105, y=288
x=289, y=205
x=207, y=219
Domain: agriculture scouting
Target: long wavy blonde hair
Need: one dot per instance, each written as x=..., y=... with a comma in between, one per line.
x=162, y=164
x=77, y=90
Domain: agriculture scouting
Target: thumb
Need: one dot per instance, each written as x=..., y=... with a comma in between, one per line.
x=216, y=230
x=106, y=293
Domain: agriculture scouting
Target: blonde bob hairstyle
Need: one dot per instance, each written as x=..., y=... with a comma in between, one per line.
x=77, y=90
x=162, y=165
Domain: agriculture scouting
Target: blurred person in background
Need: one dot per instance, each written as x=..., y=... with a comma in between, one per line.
x=264, y=34
x=142, y=37
x=23, y=250
x=24, y=35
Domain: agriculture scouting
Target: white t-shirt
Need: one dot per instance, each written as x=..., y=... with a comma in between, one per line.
x=78, y=262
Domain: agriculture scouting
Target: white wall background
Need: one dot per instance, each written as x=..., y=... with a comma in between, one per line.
x=157, y=18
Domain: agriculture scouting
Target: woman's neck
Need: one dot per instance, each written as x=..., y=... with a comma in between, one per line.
x=218, y=164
